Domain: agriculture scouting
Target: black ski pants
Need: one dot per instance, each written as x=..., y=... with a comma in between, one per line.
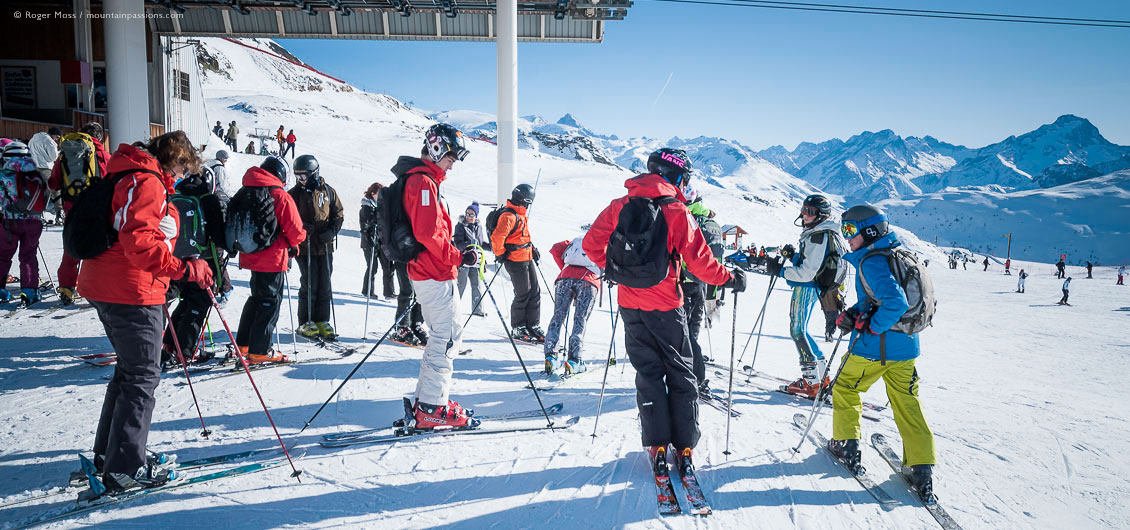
x=405, y=296
x=260, y=312
x=694, y=304
x=314, y=288
x=525, y=310
x=188, y=318
x=1064, y=299
x=373, y=258
x=123, y=428
x=659, y=348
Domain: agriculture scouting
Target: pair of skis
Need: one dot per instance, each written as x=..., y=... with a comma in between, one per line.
x=666, y=499
x=879, y=442
x=381, y=435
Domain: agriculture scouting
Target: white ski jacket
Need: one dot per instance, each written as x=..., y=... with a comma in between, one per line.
x=814, y=247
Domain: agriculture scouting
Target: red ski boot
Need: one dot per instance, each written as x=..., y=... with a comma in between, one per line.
x=452, y=415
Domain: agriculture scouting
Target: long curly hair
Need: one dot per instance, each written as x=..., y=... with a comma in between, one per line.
x=172, y=149
x=371, y=193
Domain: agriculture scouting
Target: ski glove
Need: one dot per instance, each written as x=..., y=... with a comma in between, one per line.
x=736, y=282
x=788, y=251
x=470, y=257
x=537, y=255
x=197, y=271
x=846, y=321
x=774, y=267
x=326, y=236
x=292, y=252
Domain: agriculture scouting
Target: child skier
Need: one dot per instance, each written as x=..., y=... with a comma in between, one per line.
x=575, y=286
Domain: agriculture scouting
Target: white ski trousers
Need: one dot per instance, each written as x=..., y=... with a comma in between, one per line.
x=439, y=302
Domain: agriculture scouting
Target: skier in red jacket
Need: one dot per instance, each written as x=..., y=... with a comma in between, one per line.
x=655, y=325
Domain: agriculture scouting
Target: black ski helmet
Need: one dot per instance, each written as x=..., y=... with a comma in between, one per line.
x=308, y=165
x=523, y=195
x=200, y=183
x=818, y=204
x=442, y=139
x=864, y=219
x=277, y=167
x=672, y=164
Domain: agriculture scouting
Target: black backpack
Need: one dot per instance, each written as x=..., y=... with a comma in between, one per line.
x=251, y=224
x=394, y=229
x=192, y=239
x=492, y=223
x=637, y=253
x=88, y=229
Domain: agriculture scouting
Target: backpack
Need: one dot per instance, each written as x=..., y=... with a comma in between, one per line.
x=31, y=194
x=88, y=229
x=833, y=271
x=575, y=255
x=492, y=223
x=78, y=163
x=251, y=225
x=394, y=229
x=912, y=277
x=192, y=240
x=637, y=255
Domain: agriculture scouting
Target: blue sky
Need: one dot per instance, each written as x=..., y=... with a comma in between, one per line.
x=766, y=77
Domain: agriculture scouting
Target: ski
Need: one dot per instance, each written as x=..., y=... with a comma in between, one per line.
x=719, y=403
x=881, y=495
x=664, y=492
x=879, y=442
x=98, y=359
x=107, y=500
x=416, y=435
x=869, y=410
x=554, y=381
x=50, y=493
x=750, y=372
x=699, y=505
x=329, y=344
x=74, y=312
x=521, y=414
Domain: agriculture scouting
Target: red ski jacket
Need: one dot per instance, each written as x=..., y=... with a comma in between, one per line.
x=683, y=239
x=430, y=221
x=274, y=258
x=137, y=268
x=571, y=271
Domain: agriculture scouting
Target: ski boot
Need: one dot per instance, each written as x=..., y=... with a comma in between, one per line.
x=403, y=335
x=574, y=367
x=326, y=331
x=169, y=359
x=421, y=334
x=428, y=417
x=271, y=357
x=683, y=462
x=536, y=334
x=147, y=476
x=5, y=296
x=551, y=364
x=847, y=451
x=519, y=333
x=309, y=330
x=809, y=384
x=921, y=479
x=704, y=390
x=29, y=296
x=67, y=295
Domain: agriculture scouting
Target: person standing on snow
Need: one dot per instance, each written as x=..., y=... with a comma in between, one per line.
x=268, y=266
x=1060, y=269
x=232, y=136
x=510, y=242
x=815, y=270
x=433, y=275
x=281, y=137
x=1066, y=291
x=322, y=215
x=219, y=169
x=218, y=130
x=986, y=263
x=44, y=149
x=468, y=233
x=371, y=246
x=21, y=225
x=1089, y=267
x=1121, y=273
x=126, y=284
x=93, y=133
x=696, y=292
x=576, y=286
x=1020, y=281
x=876, y=350
x=655, y=325
x=290, y=139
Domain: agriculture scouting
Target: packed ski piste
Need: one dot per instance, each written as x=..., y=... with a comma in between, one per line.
x=180, y=350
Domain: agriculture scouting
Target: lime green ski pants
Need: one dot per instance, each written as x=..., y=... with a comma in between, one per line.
x=857, y=375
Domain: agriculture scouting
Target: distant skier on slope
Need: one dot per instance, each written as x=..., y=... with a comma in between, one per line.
x=1089, y=267
x=986, y=263
x=879, y=349
x=1020, y=282
x=1121, y=274
x=1066, y=291
x=1061, y=269
x=816, y=269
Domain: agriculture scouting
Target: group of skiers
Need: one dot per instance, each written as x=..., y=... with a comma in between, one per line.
x=230, y=136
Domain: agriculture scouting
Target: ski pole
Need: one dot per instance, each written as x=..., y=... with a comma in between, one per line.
x=290, y=313
x=545, y=283
x=180, y=357
x=329, y=268
x=247, y=370
x=515, y=346
x=603, y=382
x=760, y=315
x=730, y=390
x=824, y=390
x=482, y=276
x=757, y=343
x=407, y=310
x=369, y=280
x=46, y=268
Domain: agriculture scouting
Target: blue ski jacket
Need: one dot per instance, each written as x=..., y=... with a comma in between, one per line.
x=892, y=304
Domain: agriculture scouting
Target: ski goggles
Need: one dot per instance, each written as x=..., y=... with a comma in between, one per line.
x=810, y=211
x=851, y=229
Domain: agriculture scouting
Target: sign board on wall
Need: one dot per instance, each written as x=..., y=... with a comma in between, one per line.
x=17, y=87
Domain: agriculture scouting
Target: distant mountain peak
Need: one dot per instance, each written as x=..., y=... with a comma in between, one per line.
x=569, y=120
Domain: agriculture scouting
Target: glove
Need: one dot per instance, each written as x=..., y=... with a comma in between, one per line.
x=470, y=257
x=863, y=324
x=774, y=266
x=788, y=251
x=292, y=252
x=846, y=321
x=537, y=255
x=499, y=259
x=197, y=271
x=326, y=236
x=736, y=282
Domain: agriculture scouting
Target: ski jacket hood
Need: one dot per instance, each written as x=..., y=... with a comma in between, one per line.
x=274, y=258
x=257, y=176
x=431, y=224
x=136, y=269
x=512, y=233
x=892, y=304
x=44, y=150
x=684, y=240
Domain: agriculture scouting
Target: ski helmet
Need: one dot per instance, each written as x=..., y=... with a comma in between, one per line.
x=672, y=164
x=199, y=183
x=308, y=166
x=523, y=195
x=816, y=205
x=443, y=139
x=277, y=167
x=16, y=148
x=864, y=219
x=689, y=193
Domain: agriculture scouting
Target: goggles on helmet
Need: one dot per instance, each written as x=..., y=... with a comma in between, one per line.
x=850, y=229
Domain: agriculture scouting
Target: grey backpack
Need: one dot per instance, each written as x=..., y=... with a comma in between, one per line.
x=912, y=276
